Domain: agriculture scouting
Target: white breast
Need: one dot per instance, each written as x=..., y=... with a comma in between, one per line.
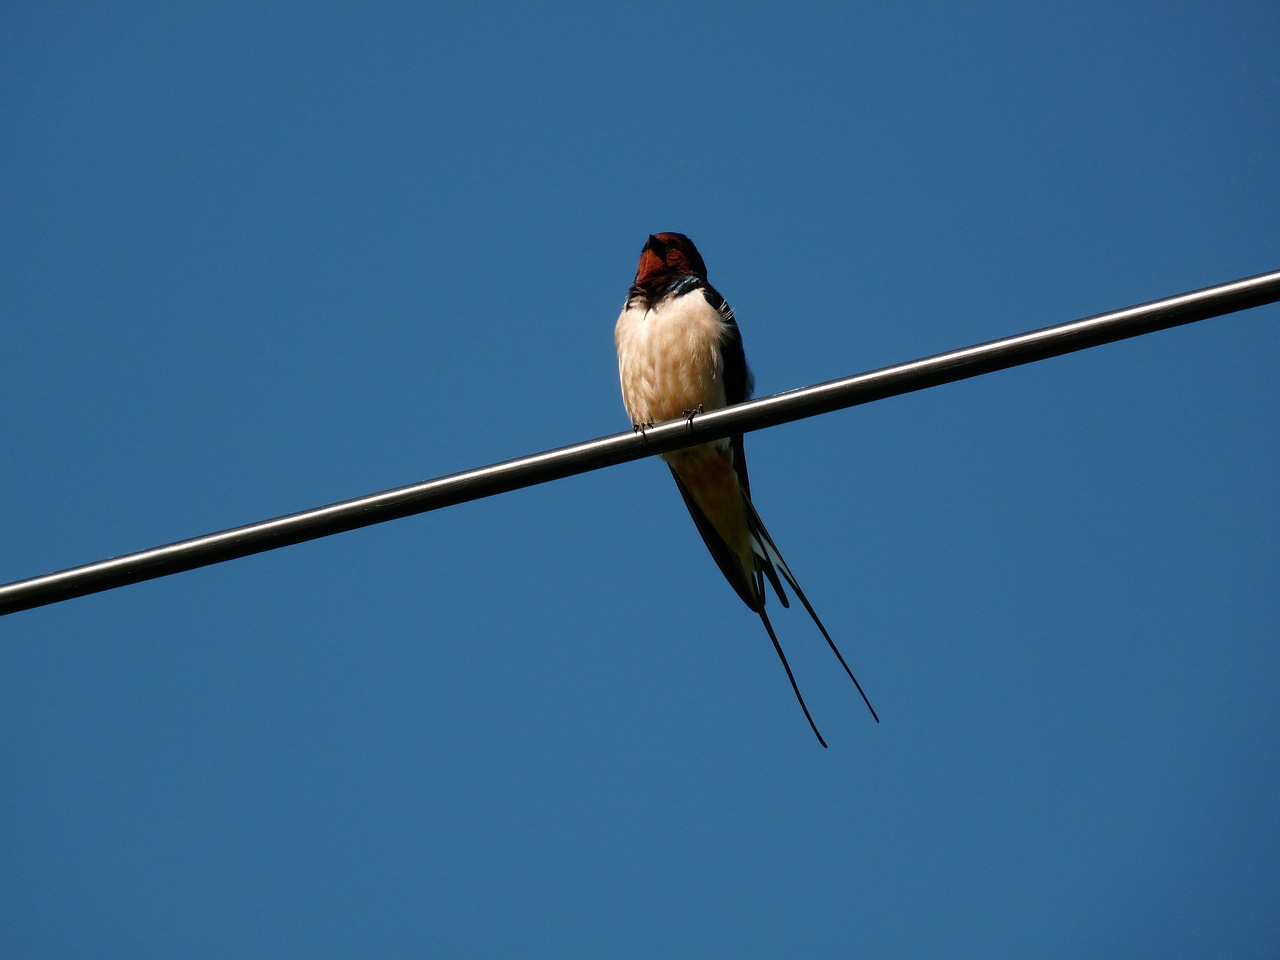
x=669, y=358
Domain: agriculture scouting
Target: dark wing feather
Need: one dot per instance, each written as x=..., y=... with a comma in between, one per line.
x=720, y=552
x=738, y=381
x=738, y=385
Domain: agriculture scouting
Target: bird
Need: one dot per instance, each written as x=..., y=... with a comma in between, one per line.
x=680, y=353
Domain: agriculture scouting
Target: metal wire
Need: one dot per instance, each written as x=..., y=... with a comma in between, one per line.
x=606, y=451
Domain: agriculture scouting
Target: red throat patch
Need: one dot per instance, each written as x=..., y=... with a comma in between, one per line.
x=651, y=265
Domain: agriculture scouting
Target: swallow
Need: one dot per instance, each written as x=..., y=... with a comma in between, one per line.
x=679, y=354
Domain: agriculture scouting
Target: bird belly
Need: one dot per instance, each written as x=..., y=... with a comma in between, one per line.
x=669, y=360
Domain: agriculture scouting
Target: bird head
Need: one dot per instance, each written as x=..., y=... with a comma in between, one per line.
x=667, y=255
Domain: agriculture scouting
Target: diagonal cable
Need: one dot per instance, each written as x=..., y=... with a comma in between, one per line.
x=593, y=454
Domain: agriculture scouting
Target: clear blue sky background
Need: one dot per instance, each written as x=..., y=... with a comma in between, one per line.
x=256, y=258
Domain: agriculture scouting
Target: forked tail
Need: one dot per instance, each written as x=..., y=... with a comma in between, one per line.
x=764, y=618
x=769, y=562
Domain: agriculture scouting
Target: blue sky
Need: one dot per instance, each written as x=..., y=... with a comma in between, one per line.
x=256, y=260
